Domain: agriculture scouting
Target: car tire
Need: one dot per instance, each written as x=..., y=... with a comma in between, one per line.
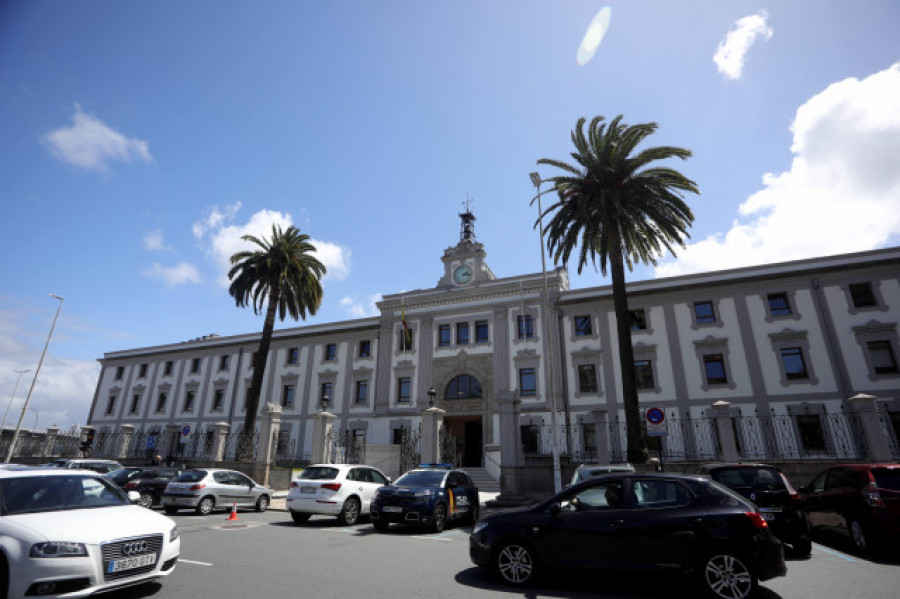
x=516, y=564
x=801, y=547
x=171, y=511
x=147, y=500
x=724, y=574
x=4, y=576
x=380, y=525
x=262, y=504
x=205, y=506
x=439, y=519
x=300, y=517
x=858, y=536
x=472, y=516
x=350, y=512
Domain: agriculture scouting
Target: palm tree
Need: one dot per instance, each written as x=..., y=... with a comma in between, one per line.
x=284, y=276
x=620, y=209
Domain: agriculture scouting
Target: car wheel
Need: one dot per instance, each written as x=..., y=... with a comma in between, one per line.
x=515, y=563
x=472, y=516
x=205, y=506
x=146, y=500
x=350, y=512
x=300, y=517
x=262, y=504
x=726, y=576
x=858, y=536
x=171, y=510
x=380, y=525
x=4, y=576
x=440, y=518
x=801, y=547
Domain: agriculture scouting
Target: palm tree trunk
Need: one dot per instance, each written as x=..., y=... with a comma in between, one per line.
x=636, y=442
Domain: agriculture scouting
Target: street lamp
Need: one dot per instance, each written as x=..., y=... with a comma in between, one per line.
x=554, y=433
x=11, y=397
x=12, y=443
x=34, y=427
x=325, y=399
x=431, y=394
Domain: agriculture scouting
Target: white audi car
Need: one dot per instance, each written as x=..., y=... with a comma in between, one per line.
x=342, y=490
x=74, y=533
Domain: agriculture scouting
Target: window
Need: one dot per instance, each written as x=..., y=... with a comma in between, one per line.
x=362, y=392
x=403, y=389
x=583, y=326
x=643, y=374
x=862, y=295
x=794, y=365
x=526, y=327
x=714, y=366
x=330, y=351
x=527, y=382
x=464, y=387
x=882, y=357
x=219, y=400
x=293, y=355
x=142, y=372
x=530, y=438
x=406, y=338
x=365, y=348
x=287, y=396
x=223, y=362
x=704, y=313
x=812, y=436
x=779, y=305
x=135, y=403
x=167, y=371
x=638, y=320
x=120, y=371
x=111, y=404
x=161, y=402
x=444, y=335
x=462, y=333
x=587, y=378
x=188, y=401
x=481, y=331
x=195, y=365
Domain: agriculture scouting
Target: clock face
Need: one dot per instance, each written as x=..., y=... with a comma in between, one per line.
x=462, y=274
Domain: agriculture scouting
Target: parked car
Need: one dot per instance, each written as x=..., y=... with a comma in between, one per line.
x=342, y=490
x=74, y=533
x=101, y=466
x=649, y=522
x=858, y=501
x=432, y=495
x=772, y=492
x=206, y=489
x=148, y=481
x=586, y=471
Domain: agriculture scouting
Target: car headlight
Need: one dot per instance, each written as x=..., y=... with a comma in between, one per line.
x=422, y=494
x=58, y=549
x=479, y=526
x=173, y=534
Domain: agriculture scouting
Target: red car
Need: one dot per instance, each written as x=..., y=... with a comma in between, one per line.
x=860, y=501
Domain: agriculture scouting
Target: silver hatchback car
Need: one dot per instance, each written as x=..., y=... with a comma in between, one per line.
x=206, y=489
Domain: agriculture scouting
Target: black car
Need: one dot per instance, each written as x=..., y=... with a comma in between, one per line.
x=673, y=523
x=432, y=495
x=149, y=481
x=772, y=492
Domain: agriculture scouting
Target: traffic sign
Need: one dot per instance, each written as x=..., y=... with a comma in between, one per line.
x=185, y=433
x=656, y=422
x=151, y=442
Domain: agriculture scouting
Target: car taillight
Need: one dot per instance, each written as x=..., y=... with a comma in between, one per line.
x=294, y=484
x=792, y=492
x=757, y=520
x=872, y=496
x=198, y=486
x=131, y=484
x=332, y=486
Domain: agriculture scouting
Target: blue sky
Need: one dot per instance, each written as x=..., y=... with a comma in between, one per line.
x=139, y=140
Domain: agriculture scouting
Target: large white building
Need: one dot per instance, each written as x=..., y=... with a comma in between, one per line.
x=786, y=345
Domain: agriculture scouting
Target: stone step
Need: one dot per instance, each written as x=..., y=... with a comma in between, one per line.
x=483, y=480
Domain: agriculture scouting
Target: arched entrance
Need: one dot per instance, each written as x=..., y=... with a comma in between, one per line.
x=467, y=429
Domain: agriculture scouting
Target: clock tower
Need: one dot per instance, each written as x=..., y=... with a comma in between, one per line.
x=464, y=264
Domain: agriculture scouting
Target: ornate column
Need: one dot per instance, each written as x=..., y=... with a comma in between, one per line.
x=432, y=420
x=323, y=424
x=877, y=448
x=727, y=446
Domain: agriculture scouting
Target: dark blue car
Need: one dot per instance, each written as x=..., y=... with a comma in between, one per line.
x=432, y=496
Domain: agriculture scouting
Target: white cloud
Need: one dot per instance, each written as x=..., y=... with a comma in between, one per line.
x=92, y=145
x=222, y=240
x=355, y=308
x=153, y=240
x=732, y=51
x=840, y=194
x=172, y=276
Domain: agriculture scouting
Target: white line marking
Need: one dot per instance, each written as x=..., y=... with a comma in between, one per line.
x=835, y=553
x=188, y=561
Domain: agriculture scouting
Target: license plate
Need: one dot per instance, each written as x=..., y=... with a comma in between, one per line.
x=308, y=489
x=130, y=563
x=768, y=516
x=394, y=509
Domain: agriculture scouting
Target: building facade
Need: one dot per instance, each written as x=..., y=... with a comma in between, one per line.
x=781, y=347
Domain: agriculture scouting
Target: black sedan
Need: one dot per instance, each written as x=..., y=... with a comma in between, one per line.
x=650, y=522
x=149, y=481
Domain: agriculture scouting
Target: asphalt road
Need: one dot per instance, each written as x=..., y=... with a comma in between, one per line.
x=267, y=555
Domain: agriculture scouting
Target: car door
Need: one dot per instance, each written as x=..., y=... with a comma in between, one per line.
x=243, y=488
x=462, y=494
x=662, y=525
x=371, y=481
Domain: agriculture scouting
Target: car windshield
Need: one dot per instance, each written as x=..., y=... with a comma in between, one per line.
x=887, y=478
x=34, y=494
x=754, y=479
x=123, y=474
x=421, y=478
x=319, y=473
x=190, y=476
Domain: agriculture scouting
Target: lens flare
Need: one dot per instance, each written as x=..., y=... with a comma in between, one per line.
x=594, y=35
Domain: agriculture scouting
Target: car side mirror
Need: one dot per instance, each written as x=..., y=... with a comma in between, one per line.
x=389, y=481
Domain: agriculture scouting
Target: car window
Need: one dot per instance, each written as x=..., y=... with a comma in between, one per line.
x=756, y=479
x=319, y=473
x=604, y=495
x=840, y=477
x=715, y=494
x=818, y=483
x=422, y=478
x=355, y=474
x=240, y=479
x=53, y=493
x=650, y=493
x=378, y=477
x=222, y=478
x=887, y=478
x=191, y=476
x=365, y=475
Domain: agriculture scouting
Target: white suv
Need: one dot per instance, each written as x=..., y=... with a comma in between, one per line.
x=342, y=490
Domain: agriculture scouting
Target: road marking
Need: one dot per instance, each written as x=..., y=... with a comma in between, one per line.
x=188, y=561
x=832, y=552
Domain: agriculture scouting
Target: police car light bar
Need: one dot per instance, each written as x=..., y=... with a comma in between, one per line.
x=442, y=465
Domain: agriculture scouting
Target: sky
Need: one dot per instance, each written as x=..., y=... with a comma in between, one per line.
x=140, y=140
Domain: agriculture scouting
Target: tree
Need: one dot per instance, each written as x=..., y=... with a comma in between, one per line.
x=621, y=208
x=284, y=276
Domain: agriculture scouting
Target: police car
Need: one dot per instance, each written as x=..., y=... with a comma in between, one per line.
x=432, y=495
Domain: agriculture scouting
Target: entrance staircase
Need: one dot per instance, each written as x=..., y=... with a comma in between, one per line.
x=484, y=481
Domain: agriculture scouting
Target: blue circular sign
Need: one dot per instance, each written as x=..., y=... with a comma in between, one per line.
x=186, y=430
x=655, y=416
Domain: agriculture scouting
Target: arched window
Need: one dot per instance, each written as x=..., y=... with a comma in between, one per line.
x=463, y=387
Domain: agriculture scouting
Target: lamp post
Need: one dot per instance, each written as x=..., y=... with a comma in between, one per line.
x=11, y=397
x=12, y=443
x=431, y=394
x=325, y=399
x=554, y=433
x=34, y=426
